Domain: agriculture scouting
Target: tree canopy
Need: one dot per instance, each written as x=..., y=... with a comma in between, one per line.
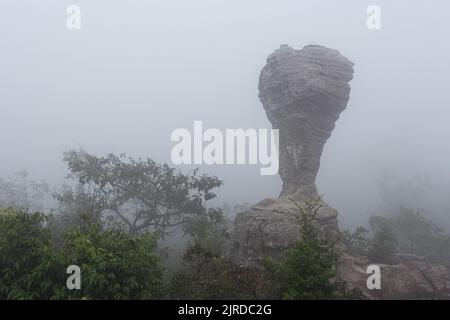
x=142, y=194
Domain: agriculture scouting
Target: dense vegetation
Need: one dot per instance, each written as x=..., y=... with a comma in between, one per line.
x=113, y=216
x=115, y=264
x=110, y=221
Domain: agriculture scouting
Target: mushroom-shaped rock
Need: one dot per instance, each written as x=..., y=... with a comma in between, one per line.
x=303, y=93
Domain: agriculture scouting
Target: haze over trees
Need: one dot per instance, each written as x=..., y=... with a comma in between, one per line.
x=141, y=194
x=114, y=214
x=142, y=228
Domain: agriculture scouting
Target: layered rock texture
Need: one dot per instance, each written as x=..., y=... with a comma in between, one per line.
x=303, y=93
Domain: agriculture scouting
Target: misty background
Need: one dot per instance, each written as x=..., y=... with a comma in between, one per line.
x=137, y=70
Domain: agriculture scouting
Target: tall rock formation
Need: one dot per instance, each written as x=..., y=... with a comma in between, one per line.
x=303, y=93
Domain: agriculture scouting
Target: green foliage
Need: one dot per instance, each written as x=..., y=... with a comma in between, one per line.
x=416, y=234
x=356, y=242
x=114, y=264
x=205, y=275
x=383, y=245
x=207, y=232
x=307, y=270
x=30, y=267
x=409, y=231
x=141, y=194
x=208, y=275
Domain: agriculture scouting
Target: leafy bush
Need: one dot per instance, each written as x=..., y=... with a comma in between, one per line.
x=383, y=245
x=309, y=266
x=30, y=266
x=408, y=231
x=209, y=275
x=416, y=234
x=114, y=264
x=356, y=242
x=205, y=275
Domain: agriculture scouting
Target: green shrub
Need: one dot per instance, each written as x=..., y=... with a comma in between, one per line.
x=30, y=266
x=356, y=242
x=309, y=267
x=114, y=264
x=209, y=275
x=383, y=244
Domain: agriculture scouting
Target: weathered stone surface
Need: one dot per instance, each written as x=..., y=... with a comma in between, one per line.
x=412, y=277
x=303, y=93
x=271, y=226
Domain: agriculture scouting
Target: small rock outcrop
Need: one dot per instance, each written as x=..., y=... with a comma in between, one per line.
x=303, y=93
x=410, y=277
x=270, y=226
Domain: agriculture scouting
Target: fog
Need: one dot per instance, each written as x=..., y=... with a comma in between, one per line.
x=138, y=70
